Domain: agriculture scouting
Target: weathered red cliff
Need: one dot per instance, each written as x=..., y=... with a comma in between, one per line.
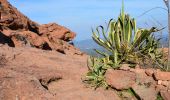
x=17, y=30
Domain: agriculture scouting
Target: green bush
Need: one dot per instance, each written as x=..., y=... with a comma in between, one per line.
x=97, y=68
x=126, y=43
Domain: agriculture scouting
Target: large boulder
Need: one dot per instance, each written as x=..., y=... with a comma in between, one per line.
x=17, y=30
x=20, y=38
x=25, y=38
x=13, y=19
x=55, y=31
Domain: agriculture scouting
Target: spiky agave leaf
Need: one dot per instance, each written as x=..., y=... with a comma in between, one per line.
x=95, y=76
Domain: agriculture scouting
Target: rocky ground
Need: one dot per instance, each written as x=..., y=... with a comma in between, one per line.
x=32, y=74
x=38, y=62
x=29, y=73
x=142, y=84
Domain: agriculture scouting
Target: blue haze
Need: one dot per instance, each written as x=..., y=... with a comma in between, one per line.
x=81, y=15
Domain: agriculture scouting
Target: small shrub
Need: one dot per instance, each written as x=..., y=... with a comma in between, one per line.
x=97, y=68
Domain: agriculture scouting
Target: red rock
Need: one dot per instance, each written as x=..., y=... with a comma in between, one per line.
x=14, y=85
x=38, y=74
x=25, y=38
x=162, y=76
x=159, y=82
x=19, y=31
x=35, y=74
x=142, y=78
x=13, y=19
x=120, y=79
x=76, y=91
x=165, y=95
x=55, y=31
x=144, y=92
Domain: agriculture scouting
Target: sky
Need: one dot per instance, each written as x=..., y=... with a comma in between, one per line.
x=82, y=15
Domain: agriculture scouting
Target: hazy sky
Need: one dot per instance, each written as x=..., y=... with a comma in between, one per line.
x=81, y=15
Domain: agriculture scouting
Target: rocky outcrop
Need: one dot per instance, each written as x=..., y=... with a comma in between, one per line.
x=145, y=84
x=11, y=18
x=52, y=30
x=30, y=73
x=17, y=30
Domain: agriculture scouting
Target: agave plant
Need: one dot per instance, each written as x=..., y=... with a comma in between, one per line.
x=97, y=68
x=125, y=42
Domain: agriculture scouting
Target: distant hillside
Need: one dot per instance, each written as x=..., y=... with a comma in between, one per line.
x=86, y=44
x=89, y=45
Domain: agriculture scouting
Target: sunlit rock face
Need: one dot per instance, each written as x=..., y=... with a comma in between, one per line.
x=17, y=30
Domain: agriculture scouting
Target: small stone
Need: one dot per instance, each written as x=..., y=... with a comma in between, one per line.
x=142, y=78
x=165, y=76
x=159, y=82
x=145, y=93
x=119, y=79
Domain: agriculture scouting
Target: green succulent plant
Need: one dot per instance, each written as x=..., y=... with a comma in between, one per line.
x=97, y=68
x=125, y=42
